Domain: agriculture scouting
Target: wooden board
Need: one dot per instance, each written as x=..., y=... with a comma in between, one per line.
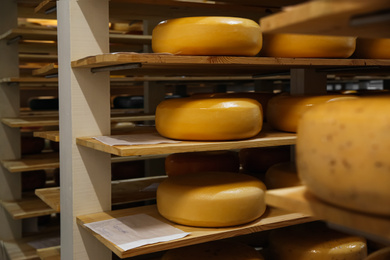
x=39, y=58
x=27, y=208
x=50, y=196
x=31, y=121
x=36, y=80
x=33, y=162
x=265, y=138
x=49, y=135
x=273, y=218
x=298, y=199
x=331, y=17
x=50, y=253
x=166, y=64
x=49, y=69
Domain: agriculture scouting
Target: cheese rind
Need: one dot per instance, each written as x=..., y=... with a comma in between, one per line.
x=207, y=36
x=211, y=199
x=342, y=153
x=282, y=175
x=194, y=162
x=381, y=254
x=307, y=46
x=284, y=111
x=209, y=119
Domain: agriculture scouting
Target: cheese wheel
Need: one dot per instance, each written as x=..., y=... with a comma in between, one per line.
x=127, y=170
x=282, y=175
x=194, y=162
x=343, y=152
x=259, y=159
x=307, y=46
x=207, y=36
x=211, y=199
x=215, y=250
x=381, y=254
x=367, y=48
x=285, y=111
x=313, y=241
x=209, y=119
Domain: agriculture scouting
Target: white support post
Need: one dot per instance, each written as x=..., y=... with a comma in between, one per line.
x=10, y=183
x=307, y=82
x=84, y=111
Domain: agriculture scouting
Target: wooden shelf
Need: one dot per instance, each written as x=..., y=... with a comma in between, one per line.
x=49, y=69
x=166, y=64
x=298, y=199
x=265, y=138
x=49, y=135
x=332, y=17
x=123, y=192
x=33, y=162
x=50, y=253
x=28, y=207
x=273, y=218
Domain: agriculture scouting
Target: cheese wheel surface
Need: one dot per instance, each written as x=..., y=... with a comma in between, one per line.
x=194, y=162
x=211, y=199
x=209, y=119
x=215, y=250
x=367, y=48
x=307, y=46
x=285, y=111
x=381, y=254
x=207, y=36
x=282, y=175
x=342, y=153
x=312, y=241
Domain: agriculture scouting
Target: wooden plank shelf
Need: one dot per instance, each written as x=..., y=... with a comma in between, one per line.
x=49, y=69
x=265, y=138
x=123, y=192
x=49, y=253
x=49, y=135
x=33, y=162
x=299, y=199
x=38, y=58
x=333, y=17
x=166, y=64
x=272, y=218
x=28, y=207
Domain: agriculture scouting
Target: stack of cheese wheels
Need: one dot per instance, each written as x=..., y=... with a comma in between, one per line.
x=259, y=159
x=367, y=48
x=307, y=46
x=284, y=111
x=209, y=118
x=207, y=36
x=194, y=162
x=343, y=152
x=215, y=250
x=211, y=199
x=261, y=97
x=282, y=175
x=315, y=241
x=381, y=254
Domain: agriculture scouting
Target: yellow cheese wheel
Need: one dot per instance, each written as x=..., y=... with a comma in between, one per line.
x=381, y=254
x=343, y=152
x=215, y=250
x=259, y=159
x=209, y=119
x=315, y=242
x=307, y=46
x=282, y=175
x=285, y=111
x=211, y=199
x=367, y=48
x=194, y=162
x=207, y=36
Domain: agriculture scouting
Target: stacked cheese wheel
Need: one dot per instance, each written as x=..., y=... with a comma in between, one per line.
x=209, y=118
x=282, y=175
x=343, y=152
x=207, y=36
x=315, y=241
x=367, y=48
x=211, y=199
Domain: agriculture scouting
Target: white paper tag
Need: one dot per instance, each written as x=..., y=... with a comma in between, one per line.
x=135, y=231
x=134, y=139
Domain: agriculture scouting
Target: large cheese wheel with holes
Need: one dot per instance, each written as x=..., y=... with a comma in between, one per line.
x=307, y=46
x=282, y=175
x=194, y=162
x=211, y=199
x=284, y=111
x=343, y=153
x=207, y=36
x=378, y=48
x=215, y=250
x=314, y=241
x=209, y=119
